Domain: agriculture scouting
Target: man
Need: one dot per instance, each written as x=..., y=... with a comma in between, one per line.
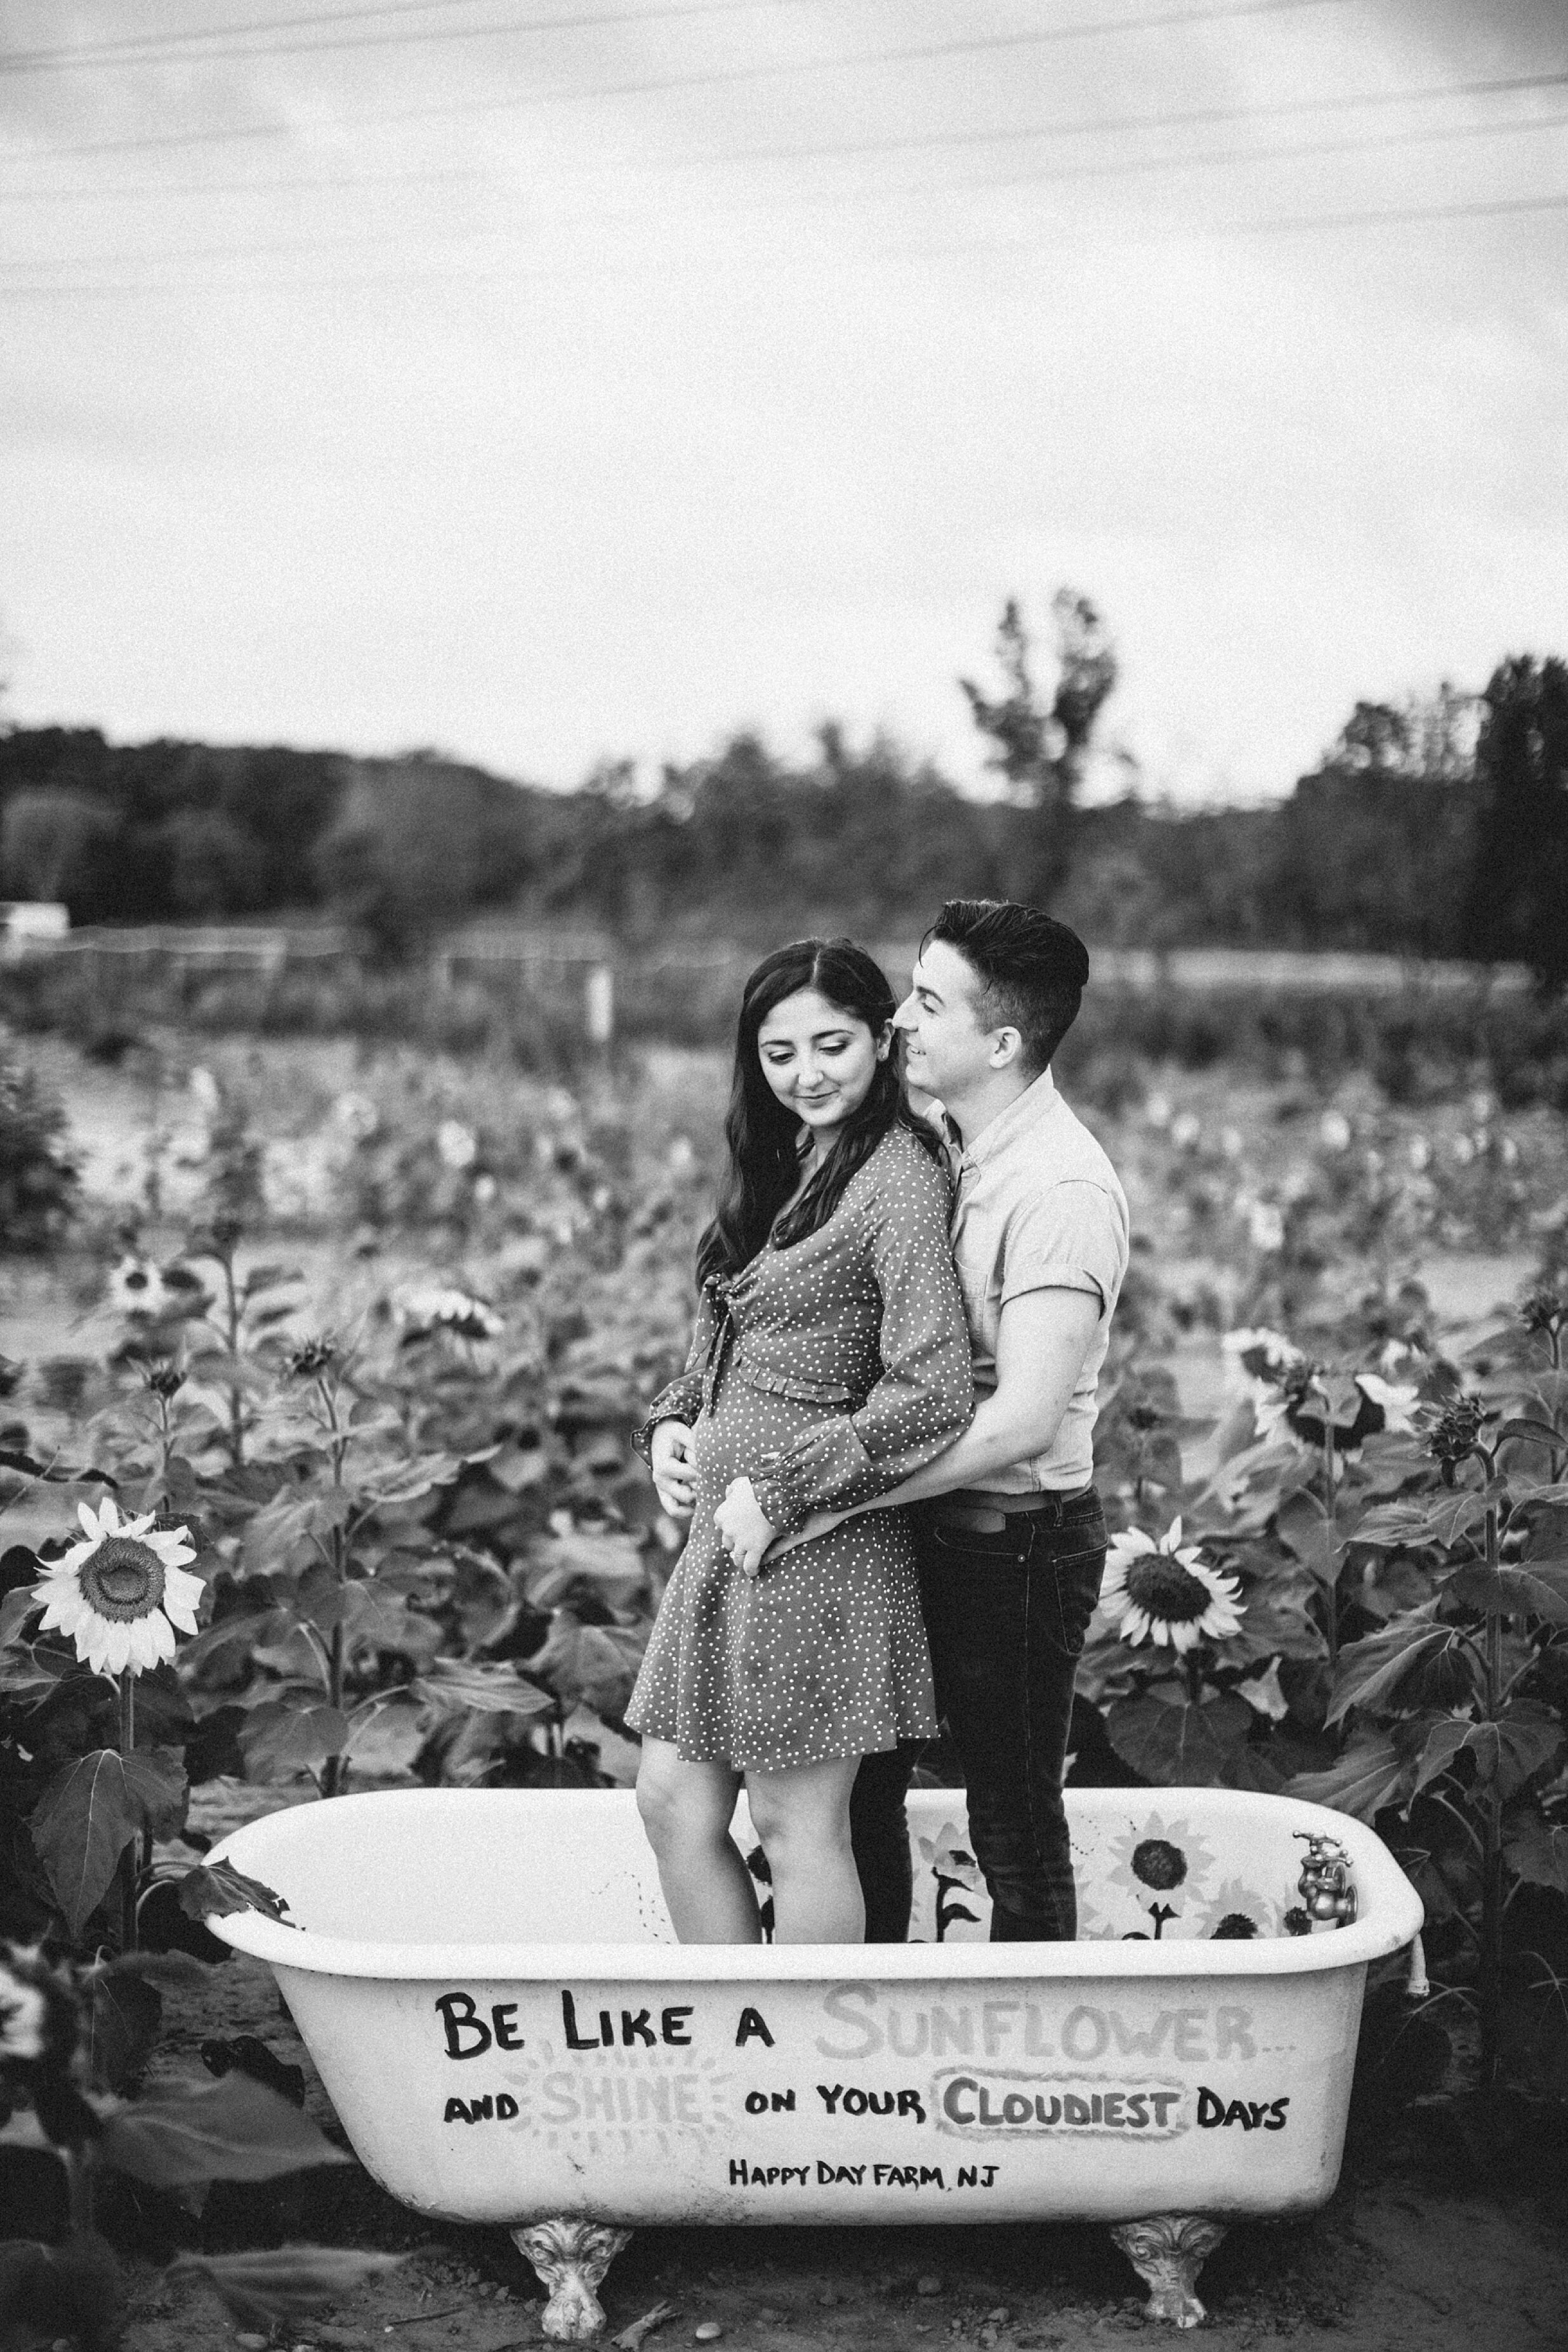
x=1011, y=1535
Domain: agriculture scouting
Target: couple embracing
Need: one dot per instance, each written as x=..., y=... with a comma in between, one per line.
x=882, y=1436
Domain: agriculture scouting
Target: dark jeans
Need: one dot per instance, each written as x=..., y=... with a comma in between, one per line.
x=1006, y=1613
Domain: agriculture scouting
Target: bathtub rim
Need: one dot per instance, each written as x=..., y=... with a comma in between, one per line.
x=1395, y=1918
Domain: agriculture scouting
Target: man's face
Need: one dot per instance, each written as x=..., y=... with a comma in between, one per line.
x=947, y=1051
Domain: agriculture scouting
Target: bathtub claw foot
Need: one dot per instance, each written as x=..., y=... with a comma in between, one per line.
x=571, y=2257
x=1167, y=2251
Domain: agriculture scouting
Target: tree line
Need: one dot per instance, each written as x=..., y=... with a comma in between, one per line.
x=1422, y=831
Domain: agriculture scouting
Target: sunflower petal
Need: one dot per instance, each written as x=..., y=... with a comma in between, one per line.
x=143, y=1644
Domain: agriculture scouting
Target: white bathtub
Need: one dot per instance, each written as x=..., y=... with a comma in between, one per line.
x=491, y=1990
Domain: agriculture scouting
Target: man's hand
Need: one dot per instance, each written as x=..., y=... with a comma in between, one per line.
x=820, y=1523
x=670, y=1458
x=742, y=1528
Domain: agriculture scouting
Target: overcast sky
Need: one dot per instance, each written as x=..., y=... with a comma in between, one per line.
x=372, y=378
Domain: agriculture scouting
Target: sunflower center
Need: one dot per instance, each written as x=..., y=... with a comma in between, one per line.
x=1159, y=1865
x=123, y=1580
x=1164, y=1588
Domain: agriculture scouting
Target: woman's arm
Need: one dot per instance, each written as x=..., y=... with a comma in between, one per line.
x=661, y=1438
x=924, y=1395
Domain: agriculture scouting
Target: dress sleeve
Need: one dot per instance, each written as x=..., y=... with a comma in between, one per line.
x=925, y=1397
x=681, y=1400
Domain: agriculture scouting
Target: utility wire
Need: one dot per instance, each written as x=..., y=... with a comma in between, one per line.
x=1083, y=127
x=1287, y=223
x=1127, y=168
x=1479, y=208
x=1281, y=224
x=230, y=32
x=973, y=45
x=1132, y=167
x=61, y=60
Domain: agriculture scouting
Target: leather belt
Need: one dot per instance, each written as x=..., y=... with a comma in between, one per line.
x=990, y=1516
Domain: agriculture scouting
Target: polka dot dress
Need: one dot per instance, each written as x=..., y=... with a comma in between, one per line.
x=827, y=1372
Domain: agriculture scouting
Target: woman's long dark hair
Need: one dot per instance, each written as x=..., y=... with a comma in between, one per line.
x=763, y=1135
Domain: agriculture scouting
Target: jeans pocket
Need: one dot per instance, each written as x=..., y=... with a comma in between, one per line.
x=1075, y=1582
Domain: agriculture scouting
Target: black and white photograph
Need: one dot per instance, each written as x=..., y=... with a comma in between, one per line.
x=783, y=1174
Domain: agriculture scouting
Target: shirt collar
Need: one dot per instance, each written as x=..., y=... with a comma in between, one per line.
x=1038, y=1099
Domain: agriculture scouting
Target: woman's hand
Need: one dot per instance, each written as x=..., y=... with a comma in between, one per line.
x=671, y=1457
x=743, y=1531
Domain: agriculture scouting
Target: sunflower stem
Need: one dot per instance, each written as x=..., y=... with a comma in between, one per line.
x=128, y=1858
x=78, y=2190
x=232, y=1314
x=1490, y=1985
x=1331, y=1506
x=332, y=1771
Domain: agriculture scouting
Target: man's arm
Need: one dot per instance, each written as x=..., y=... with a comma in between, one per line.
x=1041, y=1340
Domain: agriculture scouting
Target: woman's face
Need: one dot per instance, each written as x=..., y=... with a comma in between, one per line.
x=820, y=1060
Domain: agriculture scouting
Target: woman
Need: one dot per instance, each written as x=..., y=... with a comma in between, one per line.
x=829, y=1360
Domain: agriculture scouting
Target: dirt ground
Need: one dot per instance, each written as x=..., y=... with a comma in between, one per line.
x=1404, y=2259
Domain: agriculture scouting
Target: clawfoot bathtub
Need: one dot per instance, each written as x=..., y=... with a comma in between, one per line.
x=490, y=1987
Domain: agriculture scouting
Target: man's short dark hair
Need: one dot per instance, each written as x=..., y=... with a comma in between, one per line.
x=1032, y=970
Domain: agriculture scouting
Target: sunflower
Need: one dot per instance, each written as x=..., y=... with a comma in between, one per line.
x=1164, y=1593
x=122, y=1591
x=439, y=1308
x=1238, y=1912
x=136, y=1286
x=458, y=1145
x=1168, y=1860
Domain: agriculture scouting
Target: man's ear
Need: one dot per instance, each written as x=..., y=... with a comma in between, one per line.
x=1006, y=1044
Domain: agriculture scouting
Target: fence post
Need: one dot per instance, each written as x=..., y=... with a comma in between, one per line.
x=599, y=1005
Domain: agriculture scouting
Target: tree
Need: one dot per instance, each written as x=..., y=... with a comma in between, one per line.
x=1040, y=750
x=59, y=844
x=1518, y=888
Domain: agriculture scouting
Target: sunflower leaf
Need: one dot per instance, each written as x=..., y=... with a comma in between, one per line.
x=234, y=2129
x=1370, y=1775
x=81, y=1826
x=1180, y=1747
x=123, y=2025
x=280, y=1740
x=287, y=2282
x=1536, y=1588
x=1371, y=1671
x=217, y=1888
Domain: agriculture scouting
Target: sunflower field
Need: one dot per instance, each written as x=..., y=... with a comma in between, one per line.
x=319, y=1367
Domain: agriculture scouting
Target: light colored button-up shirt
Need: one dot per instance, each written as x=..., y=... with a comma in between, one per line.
x=1039, y=1207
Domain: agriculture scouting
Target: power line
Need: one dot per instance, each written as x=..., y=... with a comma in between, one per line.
x=132, y=41
x=1095, y=126
x=1091, y=126
x=1164, y=20
x=1472, y=209
x=291, y=185
x=1127, y=168
x=1282, y=223
x=61, y=60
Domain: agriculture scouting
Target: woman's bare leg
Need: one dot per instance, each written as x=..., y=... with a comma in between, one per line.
x=687, y=1811
x=803, y=1821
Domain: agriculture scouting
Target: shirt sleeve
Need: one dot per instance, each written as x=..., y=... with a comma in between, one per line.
x=681, y=1400
x=1071, y=1238
x=924, y=1396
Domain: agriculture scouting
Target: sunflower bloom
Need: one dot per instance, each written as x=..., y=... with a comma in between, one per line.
x=1166, y=1593
x=440, y=1307
x=122, y=1590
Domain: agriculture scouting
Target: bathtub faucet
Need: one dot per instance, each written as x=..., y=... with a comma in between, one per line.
x=1324, y=1883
